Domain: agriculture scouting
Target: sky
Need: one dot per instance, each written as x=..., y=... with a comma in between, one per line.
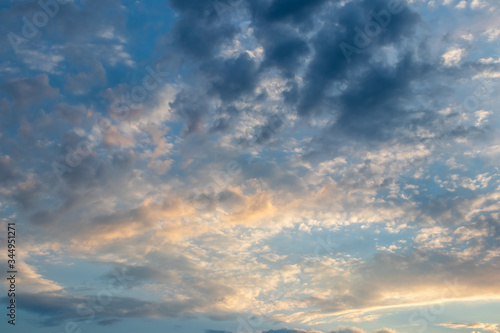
x=241, y=166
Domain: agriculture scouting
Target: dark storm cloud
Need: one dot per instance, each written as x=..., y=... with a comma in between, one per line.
x=279, y=27
x=23, y=190
x=284, y=49
x=26, y=92
x=197, y=40
x=330, y=65
x=288, y=11
x=374, y=94
x=377, y=100
x=200, y=31
x=232, y=78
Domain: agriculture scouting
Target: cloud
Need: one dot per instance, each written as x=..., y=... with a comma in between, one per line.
x=8, y=172
x=26, y=92
x=34, y=281
x=107, y=322
x=482, y=326
x=453, y=56
x=287, y=330
x=192, y=109
x=82, y=82
x=368, y=165
x=232, y=78
x=72, y=113
x=348, y=330
x=199, y=32
x=385, y=330
x=58, y=309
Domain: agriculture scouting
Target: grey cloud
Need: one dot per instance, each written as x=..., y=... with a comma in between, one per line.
x=57, y=309
x=284, y=50
x=84, y=81
x=5, y=106
x=46, y=217
x=192, y=108
x=108, y=322
x=137, y=274
x=373, y=104
x=71, y=113
x=26, y=92
x=80, y=23
x=8, y=171
x=276, y=177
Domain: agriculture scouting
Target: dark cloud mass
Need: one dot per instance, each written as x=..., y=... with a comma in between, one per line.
x=231, y=79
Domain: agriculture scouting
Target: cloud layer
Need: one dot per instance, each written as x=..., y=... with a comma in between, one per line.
x=329, y=166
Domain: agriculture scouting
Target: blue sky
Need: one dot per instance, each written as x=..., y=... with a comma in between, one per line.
x=268, y=166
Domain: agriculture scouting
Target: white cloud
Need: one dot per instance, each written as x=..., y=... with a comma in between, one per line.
x=488, y=61
x=453, y=56
x=482, y=116
x=469, y=37
x=492, y=34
